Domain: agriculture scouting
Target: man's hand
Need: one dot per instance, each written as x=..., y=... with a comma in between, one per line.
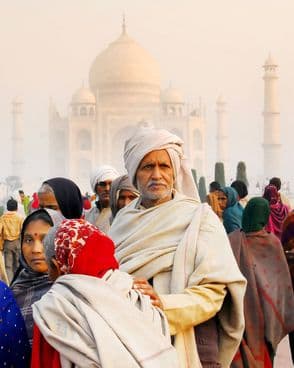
x=145, y=288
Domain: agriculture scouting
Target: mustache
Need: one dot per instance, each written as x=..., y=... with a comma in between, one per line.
x=155, y=182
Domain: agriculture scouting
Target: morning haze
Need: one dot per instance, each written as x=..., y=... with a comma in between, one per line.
x=203, y=48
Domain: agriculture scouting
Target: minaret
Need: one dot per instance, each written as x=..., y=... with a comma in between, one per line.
x=17, y=137
x=222, y=132
x=271, y=114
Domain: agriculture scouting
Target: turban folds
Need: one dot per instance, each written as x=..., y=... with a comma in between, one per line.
x=103, y=173
x=147, y=140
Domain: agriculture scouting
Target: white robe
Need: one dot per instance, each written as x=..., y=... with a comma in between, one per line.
x=96, y=322
x=182, y=245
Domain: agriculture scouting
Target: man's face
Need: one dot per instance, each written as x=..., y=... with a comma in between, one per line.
x=155, y=179
x=102, y=189
x=125, y=197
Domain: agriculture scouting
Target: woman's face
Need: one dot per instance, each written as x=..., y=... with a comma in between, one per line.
x=48, y=200
x=222, y=199
x=32, y=245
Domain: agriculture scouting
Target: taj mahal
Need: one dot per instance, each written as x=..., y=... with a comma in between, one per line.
x=125, y=93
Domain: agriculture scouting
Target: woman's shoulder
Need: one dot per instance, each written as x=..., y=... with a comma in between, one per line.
x=6, y=296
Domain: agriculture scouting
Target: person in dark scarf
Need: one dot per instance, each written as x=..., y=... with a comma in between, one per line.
x=122, y=192
x=31, y=280
x=242, y=191
x=232, y=215
x=278, y=211
x=269, y=299
x=62, y=195
x=288, y=245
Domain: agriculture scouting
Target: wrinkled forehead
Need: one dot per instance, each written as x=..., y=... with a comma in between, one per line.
x=154, y=155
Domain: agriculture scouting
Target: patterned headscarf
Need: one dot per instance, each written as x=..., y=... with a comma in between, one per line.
x=80, y=248
x=271, y=194
x=255, y=215
x=278, y=211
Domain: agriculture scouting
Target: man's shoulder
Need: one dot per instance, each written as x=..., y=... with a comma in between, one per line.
x=91, y=212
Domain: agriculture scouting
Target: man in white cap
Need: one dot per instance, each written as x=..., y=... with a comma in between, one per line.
x=178, y=252
x=100, y=214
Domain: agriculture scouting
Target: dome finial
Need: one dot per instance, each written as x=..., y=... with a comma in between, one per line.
x=124, y=24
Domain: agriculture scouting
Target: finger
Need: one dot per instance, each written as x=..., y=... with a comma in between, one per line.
x=140, y=280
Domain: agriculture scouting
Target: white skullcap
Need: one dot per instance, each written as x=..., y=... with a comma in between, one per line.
x=146, y=140
x=103, y=173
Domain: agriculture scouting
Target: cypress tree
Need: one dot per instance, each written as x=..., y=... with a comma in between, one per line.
x=194, y=174
x=219, y=173
x=202, y=189
x=241, y=173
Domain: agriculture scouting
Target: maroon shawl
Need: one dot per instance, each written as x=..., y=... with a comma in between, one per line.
x=278, y=211
x=269, y=299
x=288, y=242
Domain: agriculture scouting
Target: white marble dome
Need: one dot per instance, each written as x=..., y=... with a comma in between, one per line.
x=172, y=95
x=83, y=96
x=124, y=61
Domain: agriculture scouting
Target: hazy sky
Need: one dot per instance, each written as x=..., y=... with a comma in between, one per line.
x=203, y=47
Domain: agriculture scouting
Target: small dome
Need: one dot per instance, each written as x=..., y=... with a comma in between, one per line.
x=17, y=100
x=220, y=100
x=83, y=96
x=124, y=61
x=172, y=95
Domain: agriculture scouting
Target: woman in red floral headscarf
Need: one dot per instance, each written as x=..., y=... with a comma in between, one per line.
x=91, y=317
x=278, y=211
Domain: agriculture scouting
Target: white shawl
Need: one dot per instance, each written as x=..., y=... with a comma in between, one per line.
x=186, y=238
x=96, y=322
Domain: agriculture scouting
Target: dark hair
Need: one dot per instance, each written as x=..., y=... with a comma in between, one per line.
x=34, y=216
x=11, y=204
x=21, y=191
x=214, y=185
x=240, y=187
x=276, y=182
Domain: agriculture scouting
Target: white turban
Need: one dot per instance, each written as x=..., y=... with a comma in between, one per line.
x=146, y=140
x=103, y=173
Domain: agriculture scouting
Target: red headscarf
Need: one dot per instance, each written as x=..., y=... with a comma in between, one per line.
x=80, y=248
x=35, y=202
x=278, y=211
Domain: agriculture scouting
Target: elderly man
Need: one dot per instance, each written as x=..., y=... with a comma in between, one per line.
x=168, y=239
x=101, y=180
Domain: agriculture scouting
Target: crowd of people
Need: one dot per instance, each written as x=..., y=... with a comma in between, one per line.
x=143, y=274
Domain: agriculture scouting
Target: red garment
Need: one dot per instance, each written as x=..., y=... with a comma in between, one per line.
x=35, y=202
x=86, y=203
x=43, y=354
x=80, y=249
x=278, y=211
